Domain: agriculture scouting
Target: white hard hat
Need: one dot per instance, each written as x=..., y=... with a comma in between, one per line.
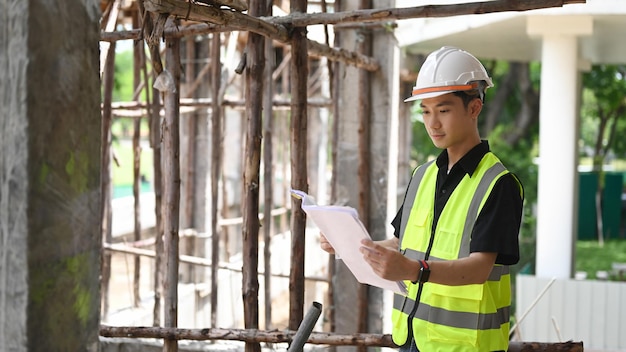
x=447, y=70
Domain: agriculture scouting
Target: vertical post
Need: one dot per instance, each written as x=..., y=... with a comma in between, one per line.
x=171, y=186
x=154, y=120
x=364, y=38
x=299, y=72
x=268, y=166
x=558, y=158
x=137, y=67
x=216, y=169
x=255, y=64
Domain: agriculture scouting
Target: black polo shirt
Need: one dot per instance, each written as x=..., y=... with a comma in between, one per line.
x=497, y=226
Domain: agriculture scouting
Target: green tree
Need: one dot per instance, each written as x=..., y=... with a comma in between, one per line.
x=603, y=108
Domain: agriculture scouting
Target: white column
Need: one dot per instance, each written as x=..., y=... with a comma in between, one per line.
x=558, y=135
x=557, y=157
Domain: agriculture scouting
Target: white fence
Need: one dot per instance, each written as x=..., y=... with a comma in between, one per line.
x=590, y=311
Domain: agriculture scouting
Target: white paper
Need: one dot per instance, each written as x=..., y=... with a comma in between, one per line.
x=343, y=229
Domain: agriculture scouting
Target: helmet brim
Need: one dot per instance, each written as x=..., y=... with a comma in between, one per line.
x=427, y=95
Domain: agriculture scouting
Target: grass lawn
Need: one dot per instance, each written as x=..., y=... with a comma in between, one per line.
x=590, y=257
x=123, y=174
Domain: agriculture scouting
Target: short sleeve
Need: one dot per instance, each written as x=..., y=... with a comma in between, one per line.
x=498, y=224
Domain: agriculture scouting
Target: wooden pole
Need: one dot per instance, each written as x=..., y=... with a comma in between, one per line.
x=334, y=83
x=364, y=116
x=154, y=108
x=216, y=167
x=255, y=64
x=188, y=186
x=137, y=67
x=316, y=338
x=268, y=170
x=155, y=143
x=171, y=189
x=299, y=73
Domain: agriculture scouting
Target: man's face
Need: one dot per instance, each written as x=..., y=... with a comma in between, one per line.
x=448, y=122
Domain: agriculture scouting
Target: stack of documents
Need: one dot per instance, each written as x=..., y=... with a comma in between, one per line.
x=343, y=229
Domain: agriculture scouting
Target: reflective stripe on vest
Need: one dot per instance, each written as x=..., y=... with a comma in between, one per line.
x=490, y=319
x=463, y=320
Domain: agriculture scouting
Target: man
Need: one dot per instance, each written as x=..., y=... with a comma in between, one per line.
x=457, y=231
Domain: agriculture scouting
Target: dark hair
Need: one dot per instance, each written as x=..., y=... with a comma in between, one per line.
x=468, y=95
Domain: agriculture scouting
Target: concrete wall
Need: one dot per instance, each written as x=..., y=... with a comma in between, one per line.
x=384, y=114
x=49, y=175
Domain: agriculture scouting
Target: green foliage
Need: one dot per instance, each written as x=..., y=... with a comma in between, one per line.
x=123, y=78
x=123, y=174
x=519, y=159
x=604, y=98
x=592, y=257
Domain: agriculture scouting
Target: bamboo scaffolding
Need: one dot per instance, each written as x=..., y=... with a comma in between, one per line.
x=273, y=28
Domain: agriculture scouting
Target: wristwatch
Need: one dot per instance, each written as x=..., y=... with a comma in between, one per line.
x=424, y=272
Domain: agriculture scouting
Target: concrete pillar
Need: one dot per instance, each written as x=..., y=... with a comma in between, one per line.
x=384, y=87
x=50, y=240
x=558, y=136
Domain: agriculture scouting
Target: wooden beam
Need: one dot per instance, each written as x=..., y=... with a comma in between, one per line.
x=316, y=338
x=426, y=11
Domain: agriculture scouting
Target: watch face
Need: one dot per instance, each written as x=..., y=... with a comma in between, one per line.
x=424, y=274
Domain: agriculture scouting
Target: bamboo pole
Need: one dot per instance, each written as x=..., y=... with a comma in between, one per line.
x=171, y=189
x=255, y=64
x=299, y=73
x=216, y=166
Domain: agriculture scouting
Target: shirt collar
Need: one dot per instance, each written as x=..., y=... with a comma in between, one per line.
x=469, y=161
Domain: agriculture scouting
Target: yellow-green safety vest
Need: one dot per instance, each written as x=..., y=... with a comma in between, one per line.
x=451, y=318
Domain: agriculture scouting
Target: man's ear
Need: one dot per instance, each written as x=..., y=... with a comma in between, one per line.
x=475, y=107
